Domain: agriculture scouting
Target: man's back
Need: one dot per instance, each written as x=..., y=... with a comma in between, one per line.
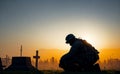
x=76, y=48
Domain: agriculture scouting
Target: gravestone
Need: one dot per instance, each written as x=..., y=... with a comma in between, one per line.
x=1, y=67
x=21, y=64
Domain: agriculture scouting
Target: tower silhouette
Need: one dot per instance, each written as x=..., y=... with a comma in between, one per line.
x=21, y=51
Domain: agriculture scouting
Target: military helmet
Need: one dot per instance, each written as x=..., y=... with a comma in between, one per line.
x=69, y=37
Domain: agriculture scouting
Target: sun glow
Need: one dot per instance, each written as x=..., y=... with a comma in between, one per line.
x=89, y=39
x=92, y=39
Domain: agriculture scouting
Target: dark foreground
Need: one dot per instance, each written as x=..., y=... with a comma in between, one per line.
x=57, y=72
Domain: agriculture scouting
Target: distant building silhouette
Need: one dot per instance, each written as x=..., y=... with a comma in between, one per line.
x=6, y=61
x=53, y=60
x=110, y=64
x=49, y=64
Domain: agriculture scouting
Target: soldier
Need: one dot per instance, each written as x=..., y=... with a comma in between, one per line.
x=77, y=57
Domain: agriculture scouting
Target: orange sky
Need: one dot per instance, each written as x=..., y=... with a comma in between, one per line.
x=104, y=53
x=109, y=53
x=44, y=25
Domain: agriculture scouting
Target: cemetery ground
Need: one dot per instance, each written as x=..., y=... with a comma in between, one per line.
x=57, y=72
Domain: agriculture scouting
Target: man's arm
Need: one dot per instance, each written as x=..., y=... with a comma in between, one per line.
x=76, y=49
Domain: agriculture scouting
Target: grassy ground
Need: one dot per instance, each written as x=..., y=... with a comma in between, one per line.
x=57, y=72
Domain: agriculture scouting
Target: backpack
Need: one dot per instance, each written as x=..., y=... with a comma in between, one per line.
x=90, y=52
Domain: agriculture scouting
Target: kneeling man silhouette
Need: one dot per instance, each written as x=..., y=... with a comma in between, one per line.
x=81, y=57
